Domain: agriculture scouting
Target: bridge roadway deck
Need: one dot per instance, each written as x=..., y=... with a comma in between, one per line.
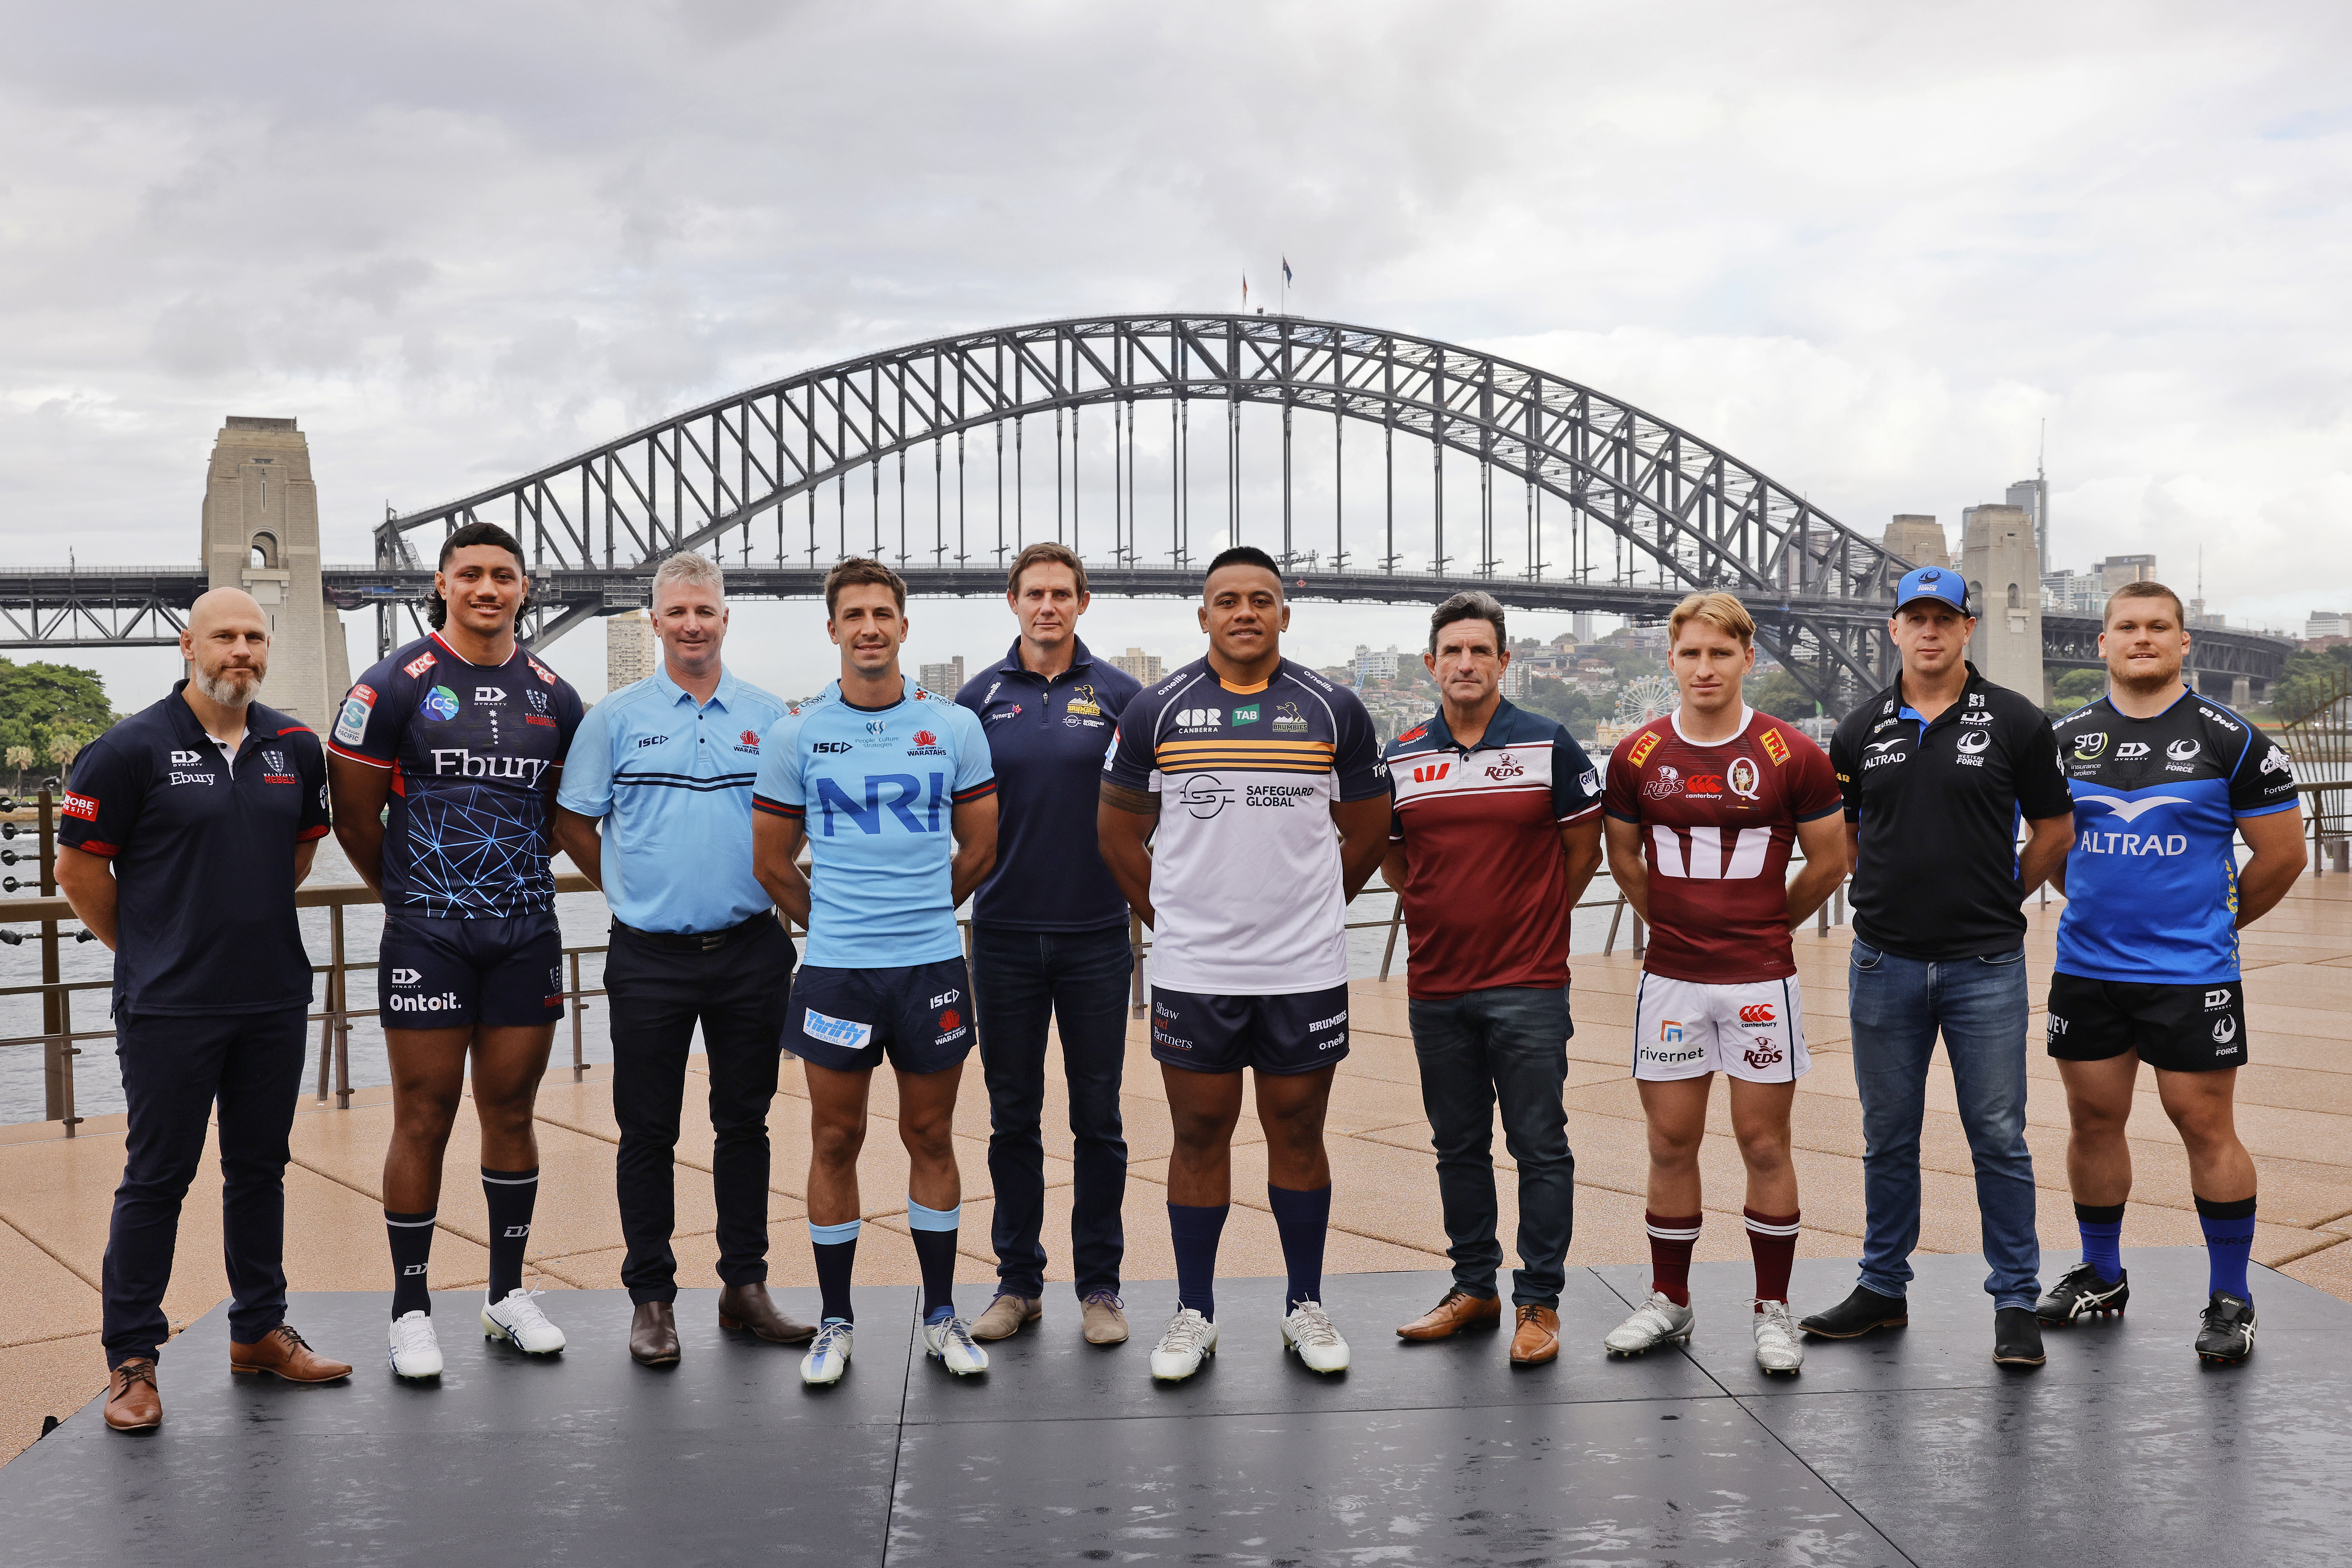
x=2295, y=1114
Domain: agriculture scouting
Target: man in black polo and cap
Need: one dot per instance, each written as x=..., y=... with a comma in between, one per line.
x=1936, y=770
x=186, y=830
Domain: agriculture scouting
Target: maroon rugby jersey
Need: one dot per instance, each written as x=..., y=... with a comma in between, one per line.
x=1717, y=824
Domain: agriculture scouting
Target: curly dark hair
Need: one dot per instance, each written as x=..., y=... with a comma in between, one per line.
x=437, y=610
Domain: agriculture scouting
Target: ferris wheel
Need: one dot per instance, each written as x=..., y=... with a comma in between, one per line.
x=1646, y=697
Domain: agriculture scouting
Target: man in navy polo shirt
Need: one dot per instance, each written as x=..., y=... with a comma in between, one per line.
x=667, y=765
x=185, y=832
x=1049, y=945
x=1495, y=833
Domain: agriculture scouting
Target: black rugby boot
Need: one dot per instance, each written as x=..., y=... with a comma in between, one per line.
x=1858, y=1314
x=2017, y=1337
x=2080, y=1293
x=2226, y=1336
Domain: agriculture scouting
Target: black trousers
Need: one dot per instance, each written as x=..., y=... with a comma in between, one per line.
x=739, y=993
x=173, y=1069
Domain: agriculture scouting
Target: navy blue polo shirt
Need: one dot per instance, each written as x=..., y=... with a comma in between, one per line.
x=1047, y=739
x=203, y=856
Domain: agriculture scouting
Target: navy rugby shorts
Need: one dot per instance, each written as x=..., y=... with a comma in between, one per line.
x=1297, y=1031
x=919, y=1016
x=434, y=973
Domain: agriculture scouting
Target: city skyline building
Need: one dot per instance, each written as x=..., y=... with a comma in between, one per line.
x=1374, y=664
x=632, y=650
x=1147, y=668
x=945, y=677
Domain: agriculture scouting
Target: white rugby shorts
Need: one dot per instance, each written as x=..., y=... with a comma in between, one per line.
x=1754, y=1031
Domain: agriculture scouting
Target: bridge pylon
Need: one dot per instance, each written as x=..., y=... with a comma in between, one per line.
x=261, y=534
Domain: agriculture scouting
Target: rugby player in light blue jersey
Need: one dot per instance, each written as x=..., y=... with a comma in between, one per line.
x=2165, y=780
x=891, y=788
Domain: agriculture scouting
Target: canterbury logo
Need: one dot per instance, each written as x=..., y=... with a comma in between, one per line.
x=1707, y=862
x=1759, y=1012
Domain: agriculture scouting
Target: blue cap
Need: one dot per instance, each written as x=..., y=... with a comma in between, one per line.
x=1933, y=583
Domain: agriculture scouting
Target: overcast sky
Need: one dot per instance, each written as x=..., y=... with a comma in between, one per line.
x=1868, y=248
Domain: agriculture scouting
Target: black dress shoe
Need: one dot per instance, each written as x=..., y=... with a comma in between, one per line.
x=751, y=1307
x=653, y=1334
x=2017, y=1337
x=1858, y=1314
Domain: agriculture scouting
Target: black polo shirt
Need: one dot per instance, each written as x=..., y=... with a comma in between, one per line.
x=1046, y=740
x=203, y=856
x=1937, y=807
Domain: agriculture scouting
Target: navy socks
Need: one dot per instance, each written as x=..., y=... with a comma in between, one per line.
x=836, y=1252
x=412, y=1250
x=935, y=1250
x=1304, y=1220
x=2102, y=1226
x=511, y=1197
x=2228, y=1239
x=1195, y=1229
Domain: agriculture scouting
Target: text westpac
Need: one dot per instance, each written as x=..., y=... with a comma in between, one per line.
x=905, y=790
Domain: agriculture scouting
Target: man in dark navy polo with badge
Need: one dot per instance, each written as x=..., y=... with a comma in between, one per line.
x=1049, y=947
x=1937, y=770
x=186, y=830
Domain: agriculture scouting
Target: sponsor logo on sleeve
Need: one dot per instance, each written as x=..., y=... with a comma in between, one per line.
x=1642, y=747
x=2276, y=761
x=1589, y=781
x=1776, y=749
x=542, y=671
x=351, y=726
x=84, y=807
x=418, y=666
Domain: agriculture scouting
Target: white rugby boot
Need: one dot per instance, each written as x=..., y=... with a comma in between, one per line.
x=415, y=1349
x=1308, y=1331
x=1778, y=1349
x=518, y=1321
x=1190, y=1339
x=948, y=1343
x=828, y=1353
x=1654, y=1322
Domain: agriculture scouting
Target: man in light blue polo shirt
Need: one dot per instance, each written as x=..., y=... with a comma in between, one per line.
x=667, y=765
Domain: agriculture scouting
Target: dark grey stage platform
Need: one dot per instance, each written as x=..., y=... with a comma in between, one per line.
x=1905, y=1448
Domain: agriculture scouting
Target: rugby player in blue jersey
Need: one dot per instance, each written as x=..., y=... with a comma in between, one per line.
x=891, y=788
x=463, y=735
x=2164, y=781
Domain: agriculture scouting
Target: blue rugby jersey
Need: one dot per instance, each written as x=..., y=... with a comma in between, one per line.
x=468, y=747
x=878, y=789
x=2152, y=878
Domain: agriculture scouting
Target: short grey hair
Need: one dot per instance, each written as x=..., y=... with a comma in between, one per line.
x=689, y=567
x=1470, y=605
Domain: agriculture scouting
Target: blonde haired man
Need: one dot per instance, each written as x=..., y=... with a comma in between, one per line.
x=1703, y=808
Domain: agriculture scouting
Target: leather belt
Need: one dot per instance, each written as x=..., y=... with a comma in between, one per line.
x=699, y=941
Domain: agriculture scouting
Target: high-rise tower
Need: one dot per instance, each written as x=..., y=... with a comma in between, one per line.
x=1997, y=557
x=261, y=534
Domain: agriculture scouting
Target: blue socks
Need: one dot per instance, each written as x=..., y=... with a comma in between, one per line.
x=935, y=1249
x=2102, y=1226
x=836, y=1252
x=1304, y=1219
x=2229, y=1238
x=1195, y=1229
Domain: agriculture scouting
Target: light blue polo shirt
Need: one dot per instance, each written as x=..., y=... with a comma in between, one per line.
x=672, y=781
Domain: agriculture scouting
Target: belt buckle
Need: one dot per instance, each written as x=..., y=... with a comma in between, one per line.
x=711, y=940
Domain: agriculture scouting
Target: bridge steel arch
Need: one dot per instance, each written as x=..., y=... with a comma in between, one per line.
x=1692, y=514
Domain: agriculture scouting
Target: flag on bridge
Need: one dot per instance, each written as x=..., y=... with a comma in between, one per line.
x=1285, y=269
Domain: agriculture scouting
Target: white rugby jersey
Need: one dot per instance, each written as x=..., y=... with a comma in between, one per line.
x=1245, y=875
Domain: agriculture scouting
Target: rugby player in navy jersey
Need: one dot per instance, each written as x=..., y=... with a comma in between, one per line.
x=1219, y=801
x=2164, y=781
x=462, y=734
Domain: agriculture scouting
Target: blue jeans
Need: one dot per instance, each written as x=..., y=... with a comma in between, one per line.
x=1078, y=981
x=1897, y=1005
x=1507, y=1045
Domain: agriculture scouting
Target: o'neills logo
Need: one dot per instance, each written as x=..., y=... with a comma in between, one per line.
x=442, y=1003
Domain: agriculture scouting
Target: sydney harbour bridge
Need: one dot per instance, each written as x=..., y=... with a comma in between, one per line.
x=1407, y=470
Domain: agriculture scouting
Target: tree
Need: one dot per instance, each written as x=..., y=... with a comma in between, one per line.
x=1778, y=694
x=2312, y=676
x=20, y=758
x=2073, y=688
x=47, y=708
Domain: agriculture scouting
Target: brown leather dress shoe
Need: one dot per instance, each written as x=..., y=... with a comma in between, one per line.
x=1537, y=1338
x=286, y=1354
x=653, y=1334
x=1460, y=1310
x=751, y=1307
x=132, y=1402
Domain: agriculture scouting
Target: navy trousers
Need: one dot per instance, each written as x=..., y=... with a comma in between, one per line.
x=174, y=1070
x=1077, y=980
